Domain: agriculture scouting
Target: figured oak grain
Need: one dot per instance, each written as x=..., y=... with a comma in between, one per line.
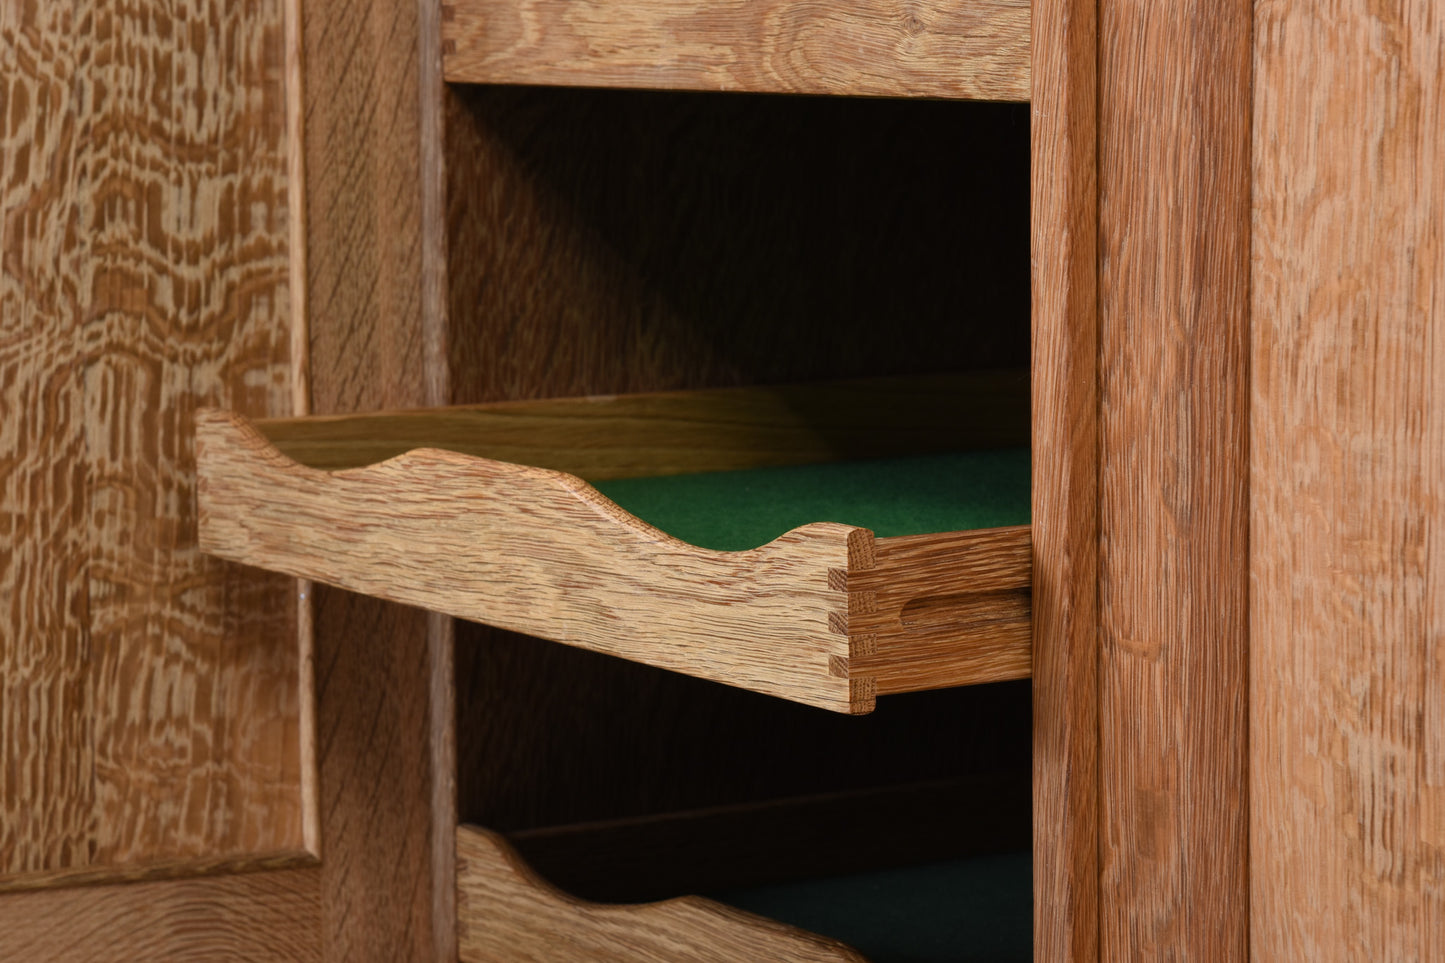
x=151, y=702
x=971, y=49
x=47, y=805
x=506, y=913
x=1347, y=453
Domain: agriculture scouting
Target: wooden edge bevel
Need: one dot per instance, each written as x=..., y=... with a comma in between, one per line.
x=222, y=865
x=540, y=552
x=300, y=355
x=506, y=911
x=940, y=610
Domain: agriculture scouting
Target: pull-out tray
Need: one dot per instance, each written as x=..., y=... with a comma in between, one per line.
x=826, y=614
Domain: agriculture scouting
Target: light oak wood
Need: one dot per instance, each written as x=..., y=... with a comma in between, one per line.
x=973, y=49
x=386, y=758
x=1065, y=481
x=942, y=610
x=680, y=432
x=537, y=551
x=174, y=870
x=506, y=913
x=1174, y=107
x=265, y=917
x=542, y=552
x=1347, y=453
x=47, y=791
x=384, y=741
x=150, y=707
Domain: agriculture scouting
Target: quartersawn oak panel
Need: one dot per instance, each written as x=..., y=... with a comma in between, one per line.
x=1347, y=451
x=505, y=912
x=47, y=806
x=195, y=664
x=971, y=49
x=151, y=706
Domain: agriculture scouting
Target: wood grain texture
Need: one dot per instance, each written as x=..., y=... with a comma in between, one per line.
x=1065, y=481
x=371, y=246
x=195, y=664
x=506, y=913
x=270, y=917
x=369, y=333
x=172, y=870
x=151, y=700
x=971, y=49
x=47, y=803
x=680, y=432
x=1347, y=562
x=942, y=609
x=811, y=616
x=1174, y=108
x=537, y=551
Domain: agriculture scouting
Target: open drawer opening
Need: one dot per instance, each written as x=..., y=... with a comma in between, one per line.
x=640, y=786
x=627, y=241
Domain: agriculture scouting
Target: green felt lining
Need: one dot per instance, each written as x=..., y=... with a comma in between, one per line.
x=739, y=510
x=978, y=909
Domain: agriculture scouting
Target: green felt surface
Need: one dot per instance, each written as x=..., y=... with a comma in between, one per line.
x=959, y=911
x=892, y=496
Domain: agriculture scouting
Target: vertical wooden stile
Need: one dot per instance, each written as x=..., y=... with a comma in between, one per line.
x=1347, y=449
x=371, y=346
x=1065, y=481
x=1174, y=108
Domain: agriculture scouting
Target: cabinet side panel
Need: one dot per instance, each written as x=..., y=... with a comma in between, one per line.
x=1348, y=492
x=46, y=801
x=194, y=661
x=1065, y=482
x=1174, y=102
x=151, y=705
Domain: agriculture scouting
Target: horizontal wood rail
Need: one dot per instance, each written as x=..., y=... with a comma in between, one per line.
x=963, y=49
x=826, y=614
